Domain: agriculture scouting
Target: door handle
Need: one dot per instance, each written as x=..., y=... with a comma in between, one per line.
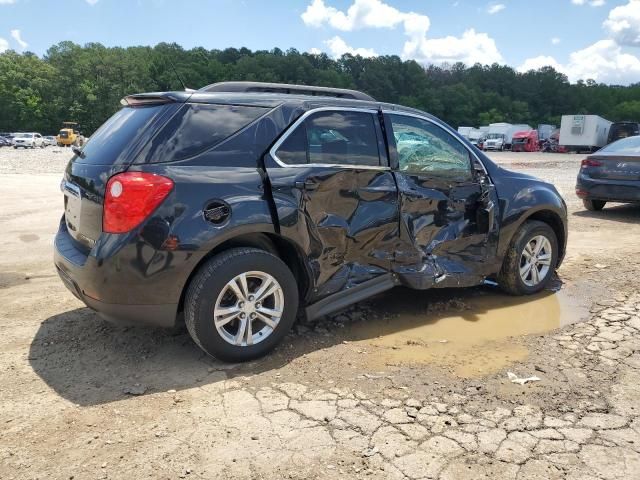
x=306, y=185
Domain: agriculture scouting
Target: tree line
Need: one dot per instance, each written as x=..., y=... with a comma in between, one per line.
x=85, y=84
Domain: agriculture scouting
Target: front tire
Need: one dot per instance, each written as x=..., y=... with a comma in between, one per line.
x=241, y=304
x=531, y=259
x=593, y=205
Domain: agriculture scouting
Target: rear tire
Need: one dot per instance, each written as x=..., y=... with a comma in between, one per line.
x=531, y=259
x=593, y=205
x=225, y=297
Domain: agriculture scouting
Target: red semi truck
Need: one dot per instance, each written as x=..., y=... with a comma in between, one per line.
x=525, y=142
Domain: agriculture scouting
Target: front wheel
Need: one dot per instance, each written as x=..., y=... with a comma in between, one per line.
x=241, y=304
x=593, y=205
x=531, y=260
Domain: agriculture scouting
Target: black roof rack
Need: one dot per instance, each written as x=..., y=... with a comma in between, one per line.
x=285, y=88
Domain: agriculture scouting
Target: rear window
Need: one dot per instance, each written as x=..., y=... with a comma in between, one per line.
x=111, y=140
x=197, y=128
x=627, y=146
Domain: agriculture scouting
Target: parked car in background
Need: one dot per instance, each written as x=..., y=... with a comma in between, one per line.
x=28, y=140
x=619, y=130
x=8, y=136
x=612, y=174
x=5, y=142
x=272, y=207
x=50, y=141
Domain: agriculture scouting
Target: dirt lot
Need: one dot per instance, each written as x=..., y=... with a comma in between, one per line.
x=409, y=385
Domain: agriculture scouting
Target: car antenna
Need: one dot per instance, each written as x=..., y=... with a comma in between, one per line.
x=186, y=89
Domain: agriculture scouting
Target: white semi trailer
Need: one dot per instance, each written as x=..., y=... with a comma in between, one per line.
x=583, y=132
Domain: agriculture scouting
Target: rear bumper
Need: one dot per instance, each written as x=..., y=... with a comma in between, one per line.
x=624, y=191
x=80, y=273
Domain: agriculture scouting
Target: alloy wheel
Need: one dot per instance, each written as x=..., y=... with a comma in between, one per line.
x=535, y=261
x=249, y=308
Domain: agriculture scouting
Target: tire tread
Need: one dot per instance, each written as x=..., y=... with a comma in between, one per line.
x=507, y=278
x=206, y=271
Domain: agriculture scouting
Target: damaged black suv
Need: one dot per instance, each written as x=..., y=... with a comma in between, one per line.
x=239, y=203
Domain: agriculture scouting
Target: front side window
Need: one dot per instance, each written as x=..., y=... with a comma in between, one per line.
x=333, y=138
x=425, y=148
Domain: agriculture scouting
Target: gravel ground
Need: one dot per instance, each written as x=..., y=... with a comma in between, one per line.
x=36, y=161
x=351, y=396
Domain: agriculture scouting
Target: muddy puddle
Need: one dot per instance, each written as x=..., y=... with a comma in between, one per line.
x=472, y=334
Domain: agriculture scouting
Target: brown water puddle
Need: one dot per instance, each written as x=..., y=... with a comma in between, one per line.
x=472, y=333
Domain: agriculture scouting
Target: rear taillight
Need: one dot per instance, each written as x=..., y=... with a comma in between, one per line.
x=588, y=162
x=130, y=198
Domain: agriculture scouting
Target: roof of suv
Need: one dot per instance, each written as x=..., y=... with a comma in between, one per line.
x=272, y=95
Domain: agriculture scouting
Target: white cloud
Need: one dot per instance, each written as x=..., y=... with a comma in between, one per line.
x=471, y=48
x=555, y=41
x=495, y=8
x=604, y=61
x=537, y=63
x=591, y=3
x=4, y=45
x=7, y=2
x=315, y=51
x=338, y=47
x=363, y=14
x=623, y=23
x=15, y=34
x=92, y=2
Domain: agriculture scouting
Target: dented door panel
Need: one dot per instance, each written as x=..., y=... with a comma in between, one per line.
x=347, y=225
x=441, y=242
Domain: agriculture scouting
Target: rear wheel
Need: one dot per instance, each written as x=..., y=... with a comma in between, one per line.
x=531, y=260
x=593, y=205
x=241, y=304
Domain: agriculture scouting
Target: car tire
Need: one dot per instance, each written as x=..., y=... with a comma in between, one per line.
x=217, y=293
x=593, y=205
x=514, y=278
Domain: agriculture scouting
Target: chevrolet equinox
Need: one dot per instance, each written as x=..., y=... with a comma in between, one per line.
x=239, y=204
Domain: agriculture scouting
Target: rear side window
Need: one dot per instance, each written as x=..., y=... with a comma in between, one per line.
x=199, y=127
x=293, y=150
x=333, y=138
x=114, y=136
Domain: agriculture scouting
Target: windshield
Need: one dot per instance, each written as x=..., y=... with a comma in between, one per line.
x=626, y=146
x=493, y=136
x=23, y=135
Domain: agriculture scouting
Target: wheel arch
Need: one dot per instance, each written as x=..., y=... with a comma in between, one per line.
x=290, y=253
x=546, y=215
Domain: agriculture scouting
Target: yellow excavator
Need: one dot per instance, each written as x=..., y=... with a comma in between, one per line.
x=69, y=135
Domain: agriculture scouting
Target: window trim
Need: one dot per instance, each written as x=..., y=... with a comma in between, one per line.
x=305, y=115
x=443, y=126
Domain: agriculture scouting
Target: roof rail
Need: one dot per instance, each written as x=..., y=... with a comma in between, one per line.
x=259, y=87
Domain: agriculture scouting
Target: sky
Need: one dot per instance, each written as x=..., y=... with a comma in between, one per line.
x=585, y=39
